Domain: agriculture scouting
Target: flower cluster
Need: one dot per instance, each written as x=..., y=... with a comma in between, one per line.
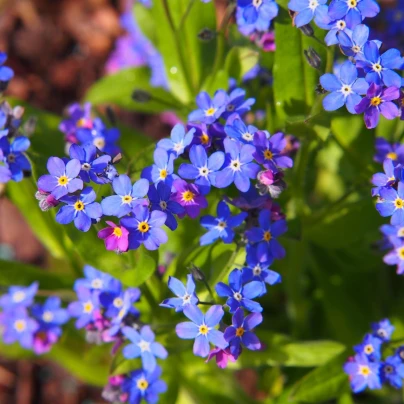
x=14, y=164
x=106, y=311
x=35, y=326
x=367, y=369
x=389, y=190
x=366, y=83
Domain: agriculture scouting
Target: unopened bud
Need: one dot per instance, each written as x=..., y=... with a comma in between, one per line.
x=270, y=182
x=196, y=273
x=141, y=96
x=111, y=115
x=312, y=57
x=320, y=89
x=29, y=126
x=307, y=30
x=46, y=200
x=206, y=34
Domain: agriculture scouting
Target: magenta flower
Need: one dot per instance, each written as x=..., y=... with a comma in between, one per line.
x=115, y=237
x=223, y=356
x=189, y=196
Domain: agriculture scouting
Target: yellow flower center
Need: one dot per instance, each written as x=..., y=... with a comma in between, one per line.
x=356, y=48
x=188, y=196
x=375, y=101
x=352, y=3
x=377, y=67
x=267, y=236
x=203, y=329
x=117, y=232
x=20, y=325
x=399, y=203
x=79, y=205
x=63, y=180
x=400, y=253
x=163, y=174
x=239, y=332
x=87, y=307
x=99, y=143
x=81, y=122
x=400, y=232
x=392, y=155
x=204, y=138
x=364, y=370
x=368, y=349
x=142, y=384
x=127, y=199
x=210, y=111
x=143, y=227
x=268, y=155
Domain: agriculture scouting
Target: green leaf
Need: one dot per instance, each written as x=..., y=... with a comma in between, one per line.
x=325, y=383
x=118, y=88
x=218, y=81
x=144, y=267
x=239, y=61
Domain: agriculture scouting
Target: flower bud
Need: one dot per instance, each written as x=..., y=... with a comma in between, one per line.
x=206, y=34
x=196, y=273
x=270, y=182
x=312, y=57
x=141, y=96
x=307, y=30
x=46, y=200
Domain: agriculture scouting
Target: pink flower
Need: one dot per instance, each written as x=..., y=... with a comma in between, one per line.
x=115, y=237
x=223, y=356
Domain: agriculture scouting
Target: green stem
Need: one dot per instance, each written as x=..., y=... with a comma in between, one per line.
x=184, y=17
x=229, y=264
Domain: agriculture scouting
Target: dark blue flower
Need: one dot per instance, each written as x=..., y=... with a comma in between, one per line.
x=209, y=110
x=239, y=295
x=127, y=196
x=266, y=236
x=161, y=198
x=362, y=373
x=383, y=329
x=143, y=345
x=185, y=294
x=221, y=226
x=393, y=151
x=236, y=103
x=203, y=169
x=387, y=179
x=81, y=209
x=240, y=332
x=6, y=73
x=14, y=157
x=392, y=371
x=238, y=166
x=370, y=347
x=144, y=228
x=178, y=140
x=240, y=131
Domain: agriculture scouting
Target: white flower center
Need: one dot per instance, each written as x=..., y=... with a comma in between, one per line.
x=99, y=143
x=118, y=302
x=186, y=299
x=86, y=167
x=257, y=3
x=96, y=283
x=313, y=5
x=340, y=25
x=221, y=225
x=144, y=346
x=356, y=48
x=257, y=270
x=346, y=90
x=204, y=171
x=19, y=296
x=238, y=296
x=178, y=147
x=47, y=316
x=235, y=165
x=247, y=136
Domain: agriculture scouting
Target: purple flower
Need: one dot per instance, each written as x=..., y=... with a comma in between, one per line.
x=353, y=11
x=238, y=166
x=236, y=103
x=92, y=167
x=223, y=356
x=383, y=329
x=209, y=110
x=392, y=371
x=376, y=102
x=240, y=332
x=19, y=296
x=239, y=295
x=162, y=169
x=81, y=209
x=189, y=197
x=14, y=157
x=203, y=169
x=265, y=236
x=268, y=151
x=185, y=294
x=127, y=196
x=393, y=151
x=84, y=309
x=144, y=385
x=144, y=228
x=362, y=373
x=370, y=347
x=62, y=179
x=79, y=117
x=116, y=237
x=201, y=328
x=143, y=345
x=378, y=68
x=178, y=141
x=396, y=256
x=18, y=327
x=238, y=130
x=221, y=226
x=391, y=203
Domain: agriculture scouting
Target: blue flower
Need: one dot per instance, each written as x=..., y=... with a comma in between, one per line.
x=203, y=169
x=96, y=280
x=240, y=131
x=14, y=157
x=393, y=151
x=6, y=73
x=162, y=169
x=240, y=332
x=238, y=166
x=19, y=296
x=81, y=209
x=345, y=89
x=262, y=23
x=391, y=203
x=236, y=103
x=265, y=236
x=160, y=198
x=239, y=295
x=362, y=373
x=185, y=294
x=392, y=371
x=84, y=309
x=370, y=347
x=383, y=329
x=201, y=328
x=178, y=141
x=141, y=385
x=306, y=10
x=221, y=226
x=387, y=179
x=114, y=301
x=17, y=326
x=143, y=345
x=127, y=196
x=92, y=167
x=257, y=269
x=353, y=11
x=62, y=179
x=396, y=256
x=256, y=9
x=50, y=314
x=209, y=110
x=379, y=68
x=352, y=42
x=144, y=228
